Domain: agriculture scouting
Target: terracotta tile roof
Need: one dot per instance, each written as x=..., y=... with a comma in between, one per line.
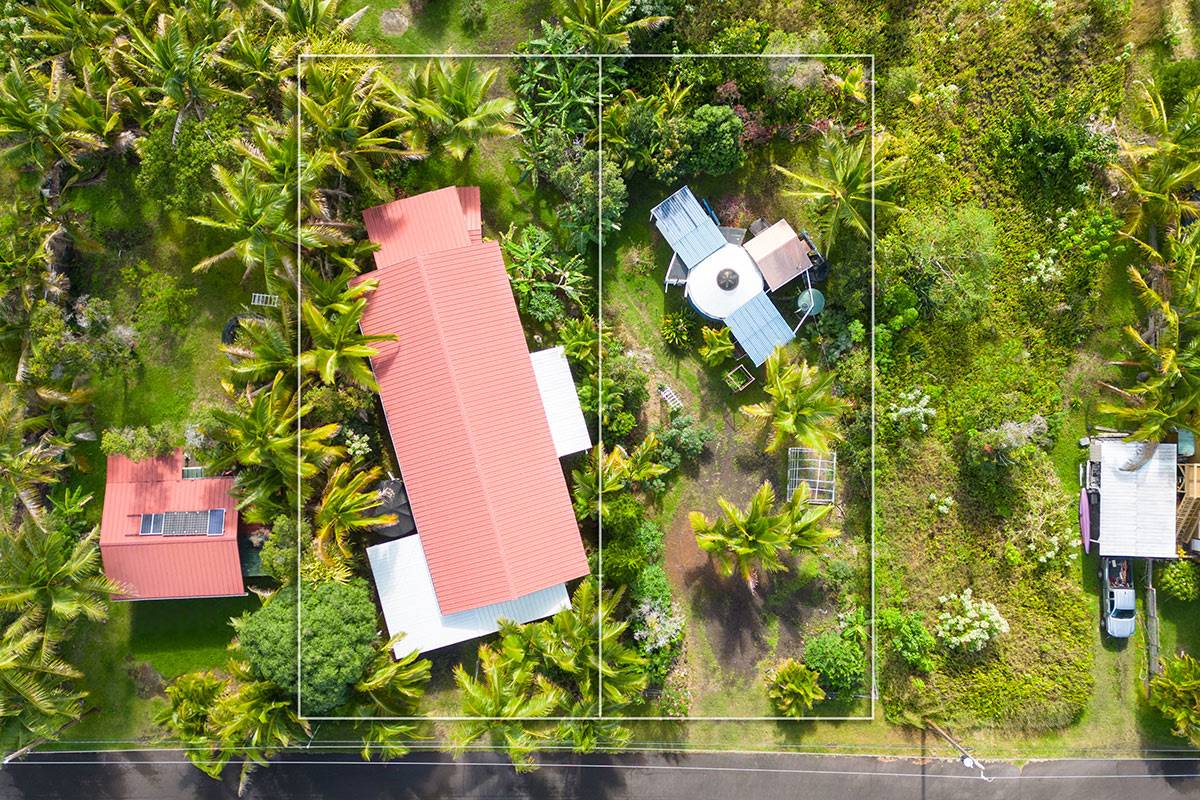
x=467, y=423
x=167, y=566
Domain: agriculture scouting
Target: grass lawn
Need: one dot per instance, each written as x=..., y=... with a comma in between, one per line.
x=170, y=637
x=440, y=26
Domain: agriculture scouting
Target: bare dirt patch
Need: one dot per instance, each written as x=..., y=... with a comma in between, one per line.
x=395, y=21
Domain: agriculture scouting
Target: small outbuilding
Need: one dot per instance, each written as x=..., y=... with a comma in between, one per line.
x=1136, y=498
x=168, y=532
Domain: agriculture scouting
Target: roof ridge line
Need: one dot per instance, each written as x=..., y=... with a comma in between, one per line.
x=466, y=418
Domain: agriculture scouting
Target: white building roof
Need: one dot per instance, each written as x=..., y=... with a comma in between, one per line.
x=561, y=401
x=1137, y=508
x=410, y=605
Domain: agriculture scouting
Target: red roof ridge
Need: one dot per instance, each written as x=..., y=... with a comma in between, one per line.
x=462, y=408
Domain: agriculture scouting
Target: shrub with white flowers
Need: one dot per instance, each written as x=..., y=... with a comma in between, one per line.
x=656, y=625
x=358, y=445
x=968, y=624
x=911, y=412
x=944, y=505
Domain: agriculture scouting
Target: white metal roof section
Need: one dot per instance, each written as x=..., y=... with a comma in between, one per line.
x=561, y=401
x=410, y=606
x=1137, y=508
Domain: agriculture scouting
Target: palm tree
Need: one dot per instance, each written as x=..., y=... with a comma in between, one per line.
x=310, y=18
x=74, y=32
x=339, y=347
x=341, y=112
x=793, y=688
x=259, y=433
x=756, y=539
x=500, y=703
x=602, y=474
x=603, y=25
x=252, y=722
x=261, y=222
x=192, y=698
x=176, y=66
x=843, y=188
x=38, y=124
x=1159, y=173
x=49, y=572
x=263, y=348
x=584, y=643
x=344, y=507
x=801, y=407
x=390, y=687
x=1169, y=396
x=449, y=103
x=36, y=700
x=29, y=460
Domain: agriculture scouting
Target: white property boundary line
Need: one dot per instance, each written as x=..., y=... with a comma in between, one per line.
x=304, y=57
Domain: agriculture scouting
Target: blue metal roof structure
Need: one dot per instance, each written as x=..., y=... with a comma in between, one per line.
x=759, y=328
x=687, y=227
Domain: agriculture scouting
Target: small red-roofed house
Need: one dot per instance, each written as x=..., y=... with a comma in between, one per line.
x=167, y=536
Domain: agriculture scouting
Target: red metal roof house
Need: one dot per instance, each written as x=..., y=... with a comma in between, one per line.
x=166, y=536
x=463, y=408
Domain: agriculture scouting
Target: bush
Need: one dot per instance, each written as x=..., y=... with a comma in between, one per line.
x=163, y=307
x=910, y=639
x=711, y=140
x=839, y=661
x=946, y=256
x=681, y=440
x=1175, y=692
x=658, y=633
x=968, y=625
x=1051, y=152
x=339, y=632
x=1180, y=580
x=652, y=585
x=675, y=329
x=793, y=688
x=179, y=174
x=1175, y=79
x=474, y=16
x=140, y=443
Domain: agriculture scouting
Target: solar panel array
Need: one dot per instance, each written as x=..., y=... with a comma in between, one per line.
x=184, y=523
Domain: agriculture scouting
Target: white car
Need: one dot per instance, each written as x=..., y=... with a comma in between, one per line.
x=1120, y=603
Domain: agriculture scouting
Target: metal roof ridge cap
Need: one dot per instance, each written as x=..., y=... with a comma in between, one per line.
x=466, y=422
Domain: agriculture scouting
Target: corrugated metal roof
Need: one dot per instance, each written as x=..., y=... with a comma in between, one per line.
x=410, y=605
x=687, y=227
x=414, y=226
x=468, y=198
x=759, y=328
x=469, y=430
x=1137, y=508
x=781, y=255
x=560, y=401
x=167, y=566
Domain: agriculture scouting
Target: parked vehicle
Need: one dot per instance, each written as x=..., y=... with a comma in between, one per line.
x=1119, y=601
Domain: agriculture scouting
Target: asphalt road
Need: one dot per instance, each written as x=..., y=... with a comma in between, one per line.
x=165, y=776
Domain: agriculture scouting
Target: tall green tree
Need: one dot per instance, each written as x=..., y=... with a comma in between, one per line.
x=52, y=572
x=843, y=188
x=449, y=104
x=756, y=538
x=801, y=406
x=604, y=26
